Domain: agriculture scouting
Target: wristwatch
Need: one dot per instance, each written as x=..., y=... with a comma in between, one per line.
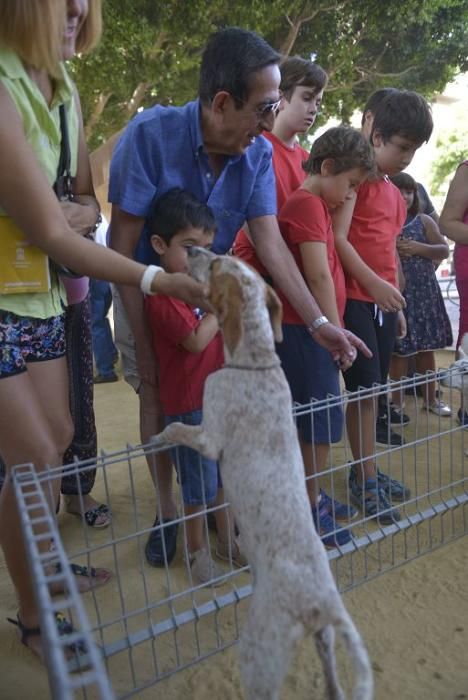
x=315, y=325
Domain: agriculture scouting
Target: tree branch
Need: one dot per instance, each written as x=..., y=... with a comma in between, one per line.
x=303, y=18
x=96, y=113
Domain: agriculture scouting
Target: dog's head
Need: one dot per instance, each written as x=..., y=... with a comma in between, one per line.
x=236, y=293
x=456, y=375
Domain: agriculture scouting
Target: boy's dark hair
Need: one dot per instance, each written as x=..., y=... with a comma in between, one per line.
x=404, y=181
x=175, y=211
x=297, y=71
x=230, y=58
x=374, y=100
x=346, y=146
x=403, y=113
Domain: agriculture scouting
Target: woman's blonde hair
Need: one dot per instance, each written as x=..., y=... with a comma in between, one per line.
x=34, y=30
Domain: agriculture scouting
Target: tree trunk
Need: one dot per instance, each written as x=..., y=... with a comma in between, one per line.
x=96, y=113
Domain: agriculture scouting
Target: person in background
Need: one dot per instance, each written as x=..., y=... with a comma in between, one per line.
x=302, y=85
x=454, y=225
x=105, y=353
x=425, y=203
x=400, y=124
x=427, y=323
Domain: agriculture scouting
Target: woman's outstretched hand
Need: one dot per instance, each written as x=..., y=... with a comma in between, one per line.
x=183, y=287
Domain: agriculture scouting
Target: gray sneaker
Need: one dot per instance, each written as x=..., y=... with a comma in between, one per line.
x=372, y=500
x=203, y=570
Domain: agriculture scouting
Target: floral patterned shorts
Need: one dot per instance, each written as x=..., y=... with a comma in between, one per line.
x=24, y=340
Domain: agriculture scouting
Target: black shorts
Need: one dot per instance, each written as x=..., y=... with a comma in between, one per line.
x=378, y=330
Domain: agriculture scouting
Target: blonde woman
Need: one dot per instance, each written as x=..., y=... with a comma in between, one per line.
x=35, y=421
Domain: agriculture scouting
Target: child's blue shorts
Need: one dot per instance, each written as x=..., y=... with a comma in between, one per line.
x=199, y=477
x=311, y=374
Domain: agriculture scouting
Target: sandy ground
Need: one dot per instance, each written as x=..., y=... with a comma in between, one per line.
x=414, y=619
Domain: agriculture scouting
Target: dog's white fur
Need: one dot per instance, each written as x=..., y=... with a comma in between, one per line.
x=248, y=427
x=456, y=377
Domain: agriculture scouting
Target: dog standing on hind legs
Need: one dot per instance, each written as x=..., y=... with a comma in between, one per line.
x=248, y=427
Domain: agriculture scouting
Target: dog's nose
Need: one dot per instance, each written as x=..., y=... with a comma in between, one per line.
x=192, y=251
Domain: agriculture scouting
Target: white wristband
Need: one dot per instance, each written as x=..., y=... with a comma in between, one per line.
x=148, y=277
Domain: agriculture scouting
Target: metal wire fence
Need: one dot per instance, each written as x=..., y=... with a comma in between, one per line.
x=141, y=629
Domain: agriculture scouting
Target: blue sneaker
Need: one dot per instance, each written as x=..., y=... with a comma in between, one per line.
x=331, y=535
x=338, y=510
x=394, y=490
x=372, y=500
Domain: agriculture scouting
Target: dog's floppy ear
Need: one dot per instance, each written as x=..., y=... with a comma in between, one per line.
x=275, y=309
x=226, y=299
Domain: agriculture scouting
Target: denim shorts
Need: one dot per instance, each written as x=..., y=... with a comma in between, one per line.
x=199, y=477
x=311, y=374
x=24, y=340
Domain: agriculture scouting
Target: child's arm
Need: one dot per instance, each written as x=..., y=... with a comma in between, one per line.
x=435, y=249
x=203, y=334
x=318, y=278
x=385, y=295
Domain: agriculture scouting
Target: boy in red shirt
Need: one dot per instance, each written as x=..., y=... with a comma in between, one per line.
x=396, y=127
x=339, y=161
x=189, y=347
x=302, y=86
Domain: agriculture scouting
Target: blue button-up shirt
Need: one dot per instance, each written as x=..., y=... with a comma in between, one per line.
x=162, y=148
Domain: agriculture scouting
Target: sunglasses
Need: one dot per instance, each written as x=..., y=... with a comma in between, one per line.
x=266, y=110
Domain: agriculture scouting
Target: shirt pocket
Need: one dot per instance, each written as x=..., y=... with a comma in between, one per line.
x=228, y=223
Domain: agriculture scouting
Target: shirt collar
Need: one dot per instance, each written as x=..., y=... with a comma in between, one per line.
x=13, y=67
x=196, y=133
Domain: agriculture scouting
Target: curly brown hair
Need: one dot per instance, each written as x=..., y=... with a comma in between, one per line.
x=346, y=146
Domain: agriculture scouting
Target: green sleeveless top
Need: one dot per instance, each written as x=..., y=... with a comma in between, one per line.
x=42, y=129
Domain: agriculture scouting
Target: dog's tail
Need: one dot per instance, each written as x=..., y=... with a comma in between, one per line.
x=364, y=682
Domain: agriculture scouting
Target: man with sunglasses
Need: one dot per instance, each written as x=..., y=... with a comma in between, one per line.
x=213, y=148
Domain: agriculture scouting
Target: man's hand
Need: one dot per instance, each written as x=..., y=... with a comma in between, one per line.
x=181, y=286
x=386, y=296
x=342, y=344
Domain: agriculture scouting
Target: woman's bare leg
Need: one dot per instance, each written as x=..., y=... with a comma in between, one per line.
x=35, y=427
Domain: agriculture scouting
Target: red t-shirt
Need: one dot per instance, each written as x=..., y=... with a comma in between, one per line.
x=305, y=217
x=378, y=217
x=289, y=175
x=182, y=374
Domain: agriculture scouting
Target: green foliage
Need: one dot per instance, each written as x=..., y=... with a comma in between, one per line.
x=452, y=152
x=150, y=51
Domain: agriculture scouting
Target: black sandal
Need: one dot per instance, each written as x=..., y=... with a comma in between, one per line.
x=26, y=632
x=64, y=627
x=89, y=572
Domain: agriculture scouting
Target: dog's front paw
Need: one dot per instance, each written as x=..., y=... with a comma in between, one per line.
x=160, y=440
x=169, y=436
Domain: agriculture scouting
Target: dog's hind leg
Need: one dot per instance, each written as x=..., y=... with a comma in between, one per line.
x=325, y=643
x=266, y=645
x=364, y=683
